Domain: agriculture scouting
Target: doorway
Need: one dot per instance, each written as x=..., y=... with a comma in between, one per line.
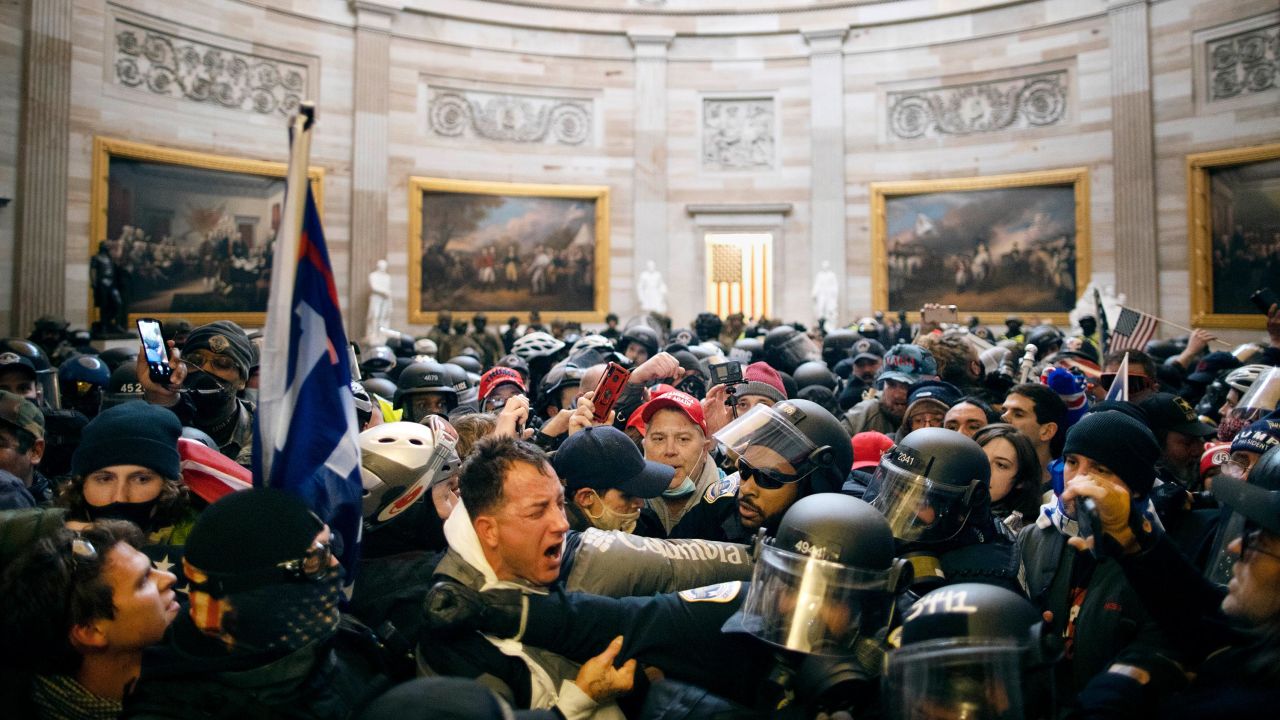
x=739, y=271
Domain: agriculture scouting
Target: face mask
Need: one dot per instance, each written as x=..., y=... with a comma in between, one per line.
x=610, y=519
x=137, y=513
x=210, y=393
x=685, y=489
x=283, y=616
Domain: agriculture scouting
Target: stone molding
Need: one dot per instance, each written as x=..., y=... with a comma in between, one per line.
x=738, y=133
x=510, y=117
x=164, y=63
x=1028, y=101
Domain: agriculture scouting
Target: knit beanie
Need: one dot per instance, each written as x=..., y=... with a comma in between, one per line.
x=135, y=433
x=225, y=338
x=762, y=380
x=1121, y=443
x=251, y=530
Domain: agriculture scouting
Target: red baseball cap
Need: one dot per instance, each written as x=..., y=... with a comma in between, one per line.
x=676, y=400
x=868, y=447
x=499, y=376
x=1214, y=455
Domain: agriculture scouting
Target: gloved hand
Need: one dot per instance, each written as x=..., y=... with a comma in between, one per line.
x=1115, y=507
x=451, y=607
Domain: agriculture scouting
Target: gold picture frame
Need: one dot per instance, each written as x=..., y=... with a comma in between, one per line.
x=508, y=248
x=950, y=250
x=189, y=198
x=1217, y=183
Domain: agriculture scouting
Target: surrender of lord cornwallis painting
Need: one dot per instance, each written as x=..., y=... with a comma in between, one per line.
x=507, y=248
x=988, y=245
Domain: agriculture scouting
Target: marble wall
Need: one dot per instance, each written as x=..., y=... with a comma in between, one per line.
x=773, y=113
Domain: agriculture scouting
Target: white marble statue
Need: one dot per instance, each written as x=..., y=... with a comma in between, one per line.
x=652, y=290
x=826, y=294
x=379, y=314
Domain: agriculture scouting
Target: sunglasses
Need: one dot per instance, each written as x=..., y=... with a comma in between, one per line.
x=1137, y=383
x=767, y=478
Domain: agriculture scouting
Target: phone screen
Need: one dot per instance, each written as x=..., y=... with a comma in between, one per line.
x=157, y=355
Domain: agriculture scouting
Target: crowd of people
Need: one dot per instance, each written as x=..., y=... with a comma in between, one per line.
x=728, y=519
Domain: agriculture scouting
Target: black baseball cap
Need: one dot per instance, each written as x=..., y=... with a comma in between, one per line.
x=602, y=457
x=10, y=360
x=1212, y=364
x=1169, y=412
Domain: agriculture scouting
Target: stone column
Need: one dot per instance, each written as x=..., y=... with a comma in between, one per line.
x=826, y=154
x=1136, y=257
x=369, y=157
x=649, y=182
x=41, y=243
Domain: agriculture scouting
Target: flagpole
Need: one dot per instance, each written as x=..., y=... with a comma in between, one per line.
x=1223, y=343
x=284, y=269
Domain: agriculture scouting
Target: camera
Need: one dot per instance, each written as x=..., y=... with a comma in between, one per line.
x=726, y=373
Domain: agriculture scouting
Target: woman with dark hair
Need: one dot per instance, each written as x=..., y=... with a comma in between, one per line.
x=1015, y=476
x=127, y=467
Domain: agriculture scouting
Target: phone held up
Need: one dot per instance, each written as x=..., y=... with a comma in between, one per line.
x=608, y=390
x=153, y=346
x=1263, y=299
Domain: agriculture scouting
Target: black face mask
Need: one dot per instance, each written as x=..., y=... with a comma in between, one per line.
x=210, y=393
x=137, y=513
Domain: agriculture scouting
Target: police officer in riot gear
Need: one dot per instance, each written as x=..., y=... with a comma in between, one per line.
x=805, y=635
x=971, y=651
x=934, y=489
x=425, y=388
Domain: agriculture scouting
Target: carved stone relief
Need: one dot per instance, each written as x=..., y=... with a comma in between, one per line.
x=156, y=61
x=1245, y=63
x=737, y=133
x=1030, y=101
x=510, y=118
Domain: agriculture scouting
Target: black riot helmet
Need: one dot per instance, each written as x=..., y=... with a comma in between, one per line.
x=786, y=348
x=812, y=442
x=814, y=372
x=470, y=363
x=117, y=356
x=421, y=379
x=46, y=373
x=1258, y=498
x=123, y=387
x=929, y=484
x=971, y=650
x=1047, y=339
x=563, y=375
x=747, y=350
x=826, y=579
x=642, y=335
x=836, y=345
x=380, y=386
x=376, y=359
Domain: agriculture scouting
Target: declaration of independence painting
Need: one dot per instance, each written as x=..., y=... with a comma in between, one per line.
x=507, y=248
x=989, y=245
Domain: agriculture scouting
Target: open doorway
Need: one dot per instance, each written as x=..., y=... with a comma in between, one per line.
x=739, y=271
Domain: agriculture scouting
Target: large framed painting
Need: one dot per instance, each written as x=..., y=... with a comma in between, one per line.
x=1233, y=217
x=175, y=233
x=991, y=246
x=508, y=248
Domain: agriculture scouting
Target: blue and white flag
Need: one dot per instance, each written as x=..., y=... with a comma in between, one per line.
x=305, y=432
x=1119, y=389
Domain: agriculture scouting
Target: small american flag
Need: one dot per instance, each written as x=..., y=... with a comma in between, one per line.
x=1132, y=331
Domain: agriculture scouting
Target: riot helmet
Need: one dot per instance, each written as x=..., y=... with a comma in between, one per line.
x=1259, y=396
x=971, y=650
x=869, y=327
x=814, y=372
x=83, y=379
x=377, y=359
x=123, y=387
x=747, y=350
x=836, y=346
x=399, y=464
x=117, y=356
x=707, y=325
x=642, y=336
x=789, y=442
x=786, y=348
x=418, y=383
x=467, y=362
x=929, y=484
x=382, y=387
x=46, y=375
x=563, y=375
x=1047, y=339
x=826, y=580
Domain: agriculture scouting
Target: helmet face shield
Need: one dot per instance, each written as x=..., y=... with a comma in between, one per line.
x=814, y=606
x=956, y=680
x=764, y=427
x=917, y=508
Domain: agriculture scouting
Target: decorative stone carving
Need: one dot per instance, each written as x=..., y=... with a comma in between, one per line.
x=1030, y=101
x=737, y=133
x=510, y=118
x=1245, y=63
x=159, y=62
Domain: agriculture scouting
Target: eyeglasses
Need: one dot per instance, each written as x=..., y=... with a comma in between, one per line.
x=82, y=551
x=766, y=478
x=1137, y=383
x=204, y=360
x=1249, y=544
x=312, y=563
x=1235, y=468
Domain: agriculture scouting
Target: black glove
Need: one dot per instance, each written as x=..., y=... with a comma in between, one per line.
x=451, y=607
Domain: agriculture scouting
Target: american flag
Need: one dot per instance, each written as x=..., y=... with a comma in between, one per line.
x=1133, y=330
x=305, y=432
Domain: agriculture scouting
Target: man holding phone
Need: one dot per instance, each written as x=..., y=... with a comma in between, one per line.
x=208, y=374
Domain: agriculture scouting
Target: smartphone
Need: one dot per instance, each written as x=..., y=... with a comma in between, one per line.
x=1263, y=299
x=1090, y=524
x=726, y=373
x=940, y=314
x=608, y=391
x=149, y=332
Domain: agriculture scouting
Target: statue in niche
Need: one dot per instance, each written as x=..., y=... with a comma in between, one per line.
x=379, y=313
x=826, y=294
x=652, y=290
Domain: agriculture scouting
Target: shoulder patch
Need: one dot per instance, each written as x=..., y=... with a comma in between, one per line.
x=726, y=486
x=719, y=593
